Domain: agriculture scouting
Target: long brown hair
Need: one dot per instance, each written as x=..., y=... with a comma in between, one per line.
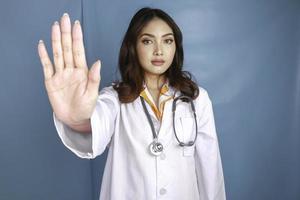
x=132, y=73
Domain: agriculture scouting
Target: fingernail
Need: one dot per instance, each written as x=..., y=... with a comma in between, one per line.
x=77, y=22
x=41, y=41
x=56, y=23
x=66, y=14
x=98, y=63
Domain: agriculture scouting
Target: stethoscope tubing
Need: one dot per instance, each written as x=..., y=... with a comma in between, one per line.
x=190, y=143
x=155, y=136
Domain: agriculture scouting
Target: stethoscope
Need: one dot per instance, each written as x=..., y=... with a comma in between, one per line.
x=156, y=147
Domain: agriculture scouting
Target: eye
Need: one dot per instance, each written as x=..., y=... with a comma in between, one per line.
x=169, y=41
x=146, y=41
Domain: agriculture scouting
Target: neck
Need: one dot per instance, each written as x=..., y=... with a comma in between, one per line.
x=154, y=82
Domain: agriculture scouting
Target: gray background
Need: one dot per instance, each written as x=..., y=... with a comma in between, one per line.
x=245, y=53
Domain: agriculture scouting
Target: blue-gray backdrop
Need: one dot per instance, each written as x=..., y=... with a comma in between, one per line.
x=245, y=53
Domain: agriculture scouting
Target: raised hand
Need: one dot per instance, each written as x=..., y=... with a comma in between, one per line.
x=71, y=87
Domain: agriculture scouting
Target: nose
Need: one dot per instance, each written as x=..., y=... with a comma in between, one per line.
x=158, y=50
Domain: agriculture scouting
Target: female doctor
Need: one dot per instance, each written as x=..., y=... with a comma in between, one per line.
x=157, y=123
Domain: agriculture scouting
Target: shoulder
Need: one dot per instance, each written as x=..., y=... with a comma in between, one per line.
x=108, y=92
x=203, y=97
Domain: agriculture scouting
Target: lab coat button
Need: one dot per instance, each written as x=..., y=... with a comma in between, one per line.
x=162, y=191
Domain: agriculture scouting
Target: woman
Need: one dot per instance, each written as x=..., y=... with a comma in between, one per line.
x=153, y=152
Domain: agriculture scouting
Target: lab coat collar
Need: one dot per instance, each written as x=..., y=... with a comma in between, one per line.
x=166, y=90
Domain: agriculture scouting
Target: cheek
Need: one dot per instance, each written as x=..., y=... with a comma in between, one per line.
x=142, y=54
x=171, y=54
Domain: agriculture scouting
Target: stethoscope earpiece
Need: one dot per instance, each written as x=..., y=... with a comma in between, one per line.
x=181, y=144
x=191, y=143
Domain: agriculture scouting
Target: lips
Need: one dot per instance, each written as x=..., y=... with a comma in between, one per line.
x=157, y=62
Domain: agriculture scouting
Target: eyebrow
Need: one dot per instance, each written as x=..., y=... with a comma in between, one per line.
x=150, y=35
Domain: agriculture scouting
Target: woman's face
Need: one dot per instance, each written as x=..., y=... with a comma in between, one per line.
x=156, y=47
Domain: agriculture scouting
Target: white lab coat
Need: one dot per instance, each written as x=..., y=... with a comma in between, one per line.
x=131, y=172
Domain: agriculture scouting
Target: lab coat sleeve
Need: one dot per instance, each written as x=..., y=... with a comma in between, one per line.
x=102, y=123
x=208, y=163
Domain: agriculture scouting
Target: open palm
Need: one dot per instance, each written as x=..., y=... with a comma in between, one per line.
x=71, y=87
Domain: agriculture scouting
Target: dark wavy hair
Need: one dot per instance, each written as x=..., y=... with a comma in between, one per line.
x=132, y=74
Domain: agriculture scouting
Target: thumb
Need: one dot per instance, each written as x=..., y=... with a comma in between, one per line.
x=94, y=78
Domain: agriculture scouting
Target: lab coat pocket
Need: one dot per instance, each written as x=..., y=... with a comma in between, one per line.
x=188, y=131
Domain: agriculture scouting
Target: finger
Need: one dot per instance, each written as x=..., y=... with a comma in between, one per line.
x=56, y=47
x=94, y=79
x=67, y=41
x=78, y=46
x=45, y=60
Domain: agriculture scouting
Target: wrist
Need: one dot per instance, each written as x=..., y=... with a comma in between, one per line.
x=82, y=127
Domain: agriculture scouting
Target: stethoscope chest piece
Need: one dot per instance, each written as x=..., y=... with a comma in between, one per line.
x=156, y=148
